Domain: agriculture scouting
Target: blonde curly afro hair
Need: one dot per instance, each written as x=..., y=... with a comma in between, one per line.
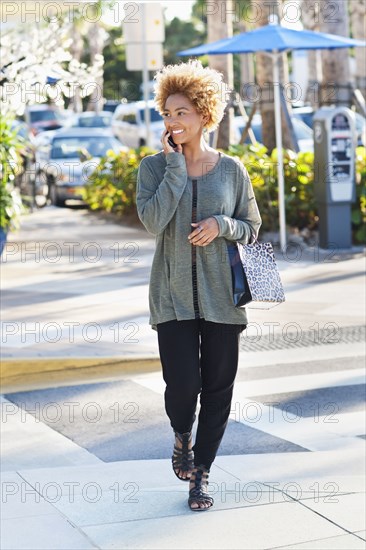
x=202, y=86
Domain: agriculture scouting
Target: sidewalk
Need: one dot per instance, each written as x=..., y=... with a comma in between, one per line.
x=77, y=297
x=58, y=495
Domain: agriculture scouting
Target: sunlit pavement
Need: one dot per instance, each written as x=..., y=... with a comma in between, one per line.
x=85, y=441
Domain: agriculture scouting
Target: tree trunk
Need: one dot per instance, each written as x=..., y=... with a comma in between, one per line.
x=219, y=25
x=265, y=82
x=310, y=18
x=96, y=36
x=246, y=67
x=76, y=49
x=335, y=63
x=358, y=22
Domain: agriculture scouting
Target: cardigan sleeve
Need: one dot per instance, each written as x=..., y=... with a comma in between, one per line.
x=157, y=201
x=246, y=219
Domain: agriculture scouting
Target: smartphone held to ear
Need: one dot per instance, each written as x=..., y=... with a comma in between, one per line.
x=171, y=142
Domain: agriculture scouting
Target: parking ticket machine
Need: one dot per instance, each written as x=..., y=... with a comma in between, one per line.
x=334, y=174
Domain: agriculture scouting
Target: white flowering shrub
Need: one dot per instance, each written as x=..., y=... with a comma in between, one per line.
x=37, y=65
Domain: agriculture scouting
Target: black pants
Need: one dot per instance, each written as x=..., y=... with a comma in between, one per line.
x=199, y=356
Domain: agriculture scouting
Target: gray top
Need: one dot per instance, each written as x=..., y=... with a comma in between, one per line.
x=164, y=206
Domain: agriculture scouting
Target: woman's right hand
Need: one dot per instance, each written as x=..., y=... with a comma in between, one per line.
x=167, y=148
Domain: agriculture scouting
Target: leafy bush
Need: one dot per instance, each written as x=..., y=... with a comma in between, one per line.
x=298, y=174
x=359, y=208
x=112, y=186
x=11, y=205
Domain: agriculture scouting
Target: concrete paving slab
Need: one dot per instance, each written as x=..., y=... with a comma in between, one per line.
x=157, y=475
x=286, y=467
x=349, y=511
x=343, y=542
x=143, y=474
x=19, y=499
x=125, y=492
x=315, y=487
x=42, y=533
x=130, y=503
x=241, y=529
x=24, y=440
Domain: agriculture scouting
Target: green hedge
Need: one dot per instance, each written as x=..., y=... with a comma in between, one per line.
x=298, y=172
x=359, y=208
x=112, y=186
x=11, y=205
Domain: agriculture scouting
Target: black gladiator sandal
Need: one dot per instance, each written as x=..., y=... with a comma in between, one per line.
x=182, y=458
x=199, y=493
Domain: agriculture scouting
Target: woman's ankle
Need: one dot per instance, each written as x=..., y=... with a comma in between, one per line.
x=202, y=466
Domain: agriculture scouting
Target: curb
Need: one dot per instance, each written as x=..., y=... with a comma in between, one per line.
x=29, y=374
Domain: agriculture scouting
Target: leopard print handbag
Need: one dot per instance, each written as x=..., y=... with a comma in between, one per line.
x=255, y=277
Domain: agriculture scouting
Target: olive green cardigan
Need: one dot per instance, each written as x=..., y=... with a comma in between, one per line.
x=164, y=206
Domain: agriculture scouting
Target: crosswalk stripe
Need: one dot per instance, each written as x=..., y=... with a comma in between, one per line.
x=315, y=433
x=302, y=382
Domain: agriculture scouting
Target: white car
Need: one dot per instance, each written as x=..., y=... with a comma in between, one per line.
x=304, y=134
x=128, y=124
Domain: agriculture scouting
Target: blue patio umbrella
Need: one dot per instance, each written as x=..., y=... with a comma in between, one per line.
x=275, y=39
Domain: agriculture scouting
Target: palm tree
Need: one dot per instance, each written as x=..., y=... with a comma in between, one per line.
x=265, y=83
x=358, y=22
x=219, y=25
x=76, y=49
x=335, y=63
x=246, y=63
x=310, y=20
x=96, y=38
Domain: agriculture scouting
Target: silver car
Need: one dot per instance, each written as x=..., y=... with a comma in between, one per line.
x=73, y=155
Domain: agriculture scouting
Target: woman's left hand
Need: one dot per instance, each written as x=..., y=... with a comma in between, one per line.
x=205, y=232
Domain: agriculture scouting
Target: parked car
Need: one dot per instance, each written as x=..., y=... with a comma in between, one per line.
x=361, y=130
x=43, y=117
x=304, y=134
x=111, y=105
x=306, y=115
x=128, y=124
x=73, y=154
x=91, y=119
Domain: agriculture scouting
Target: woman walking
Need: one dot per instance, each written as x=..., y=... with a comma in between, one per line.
x=195, y=199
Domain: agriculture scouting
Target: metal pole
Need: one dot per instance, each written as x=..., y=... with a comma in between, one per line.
x=280, y=177
x=145, y=75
